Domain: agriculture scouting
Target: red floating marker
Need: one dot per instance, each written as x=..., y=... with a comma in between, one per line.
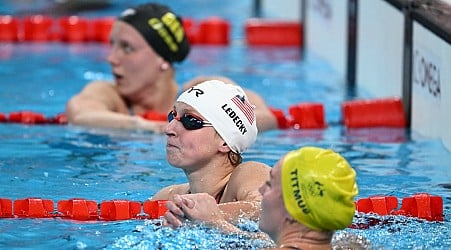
x=191, y=30
x=58, y=119
x=74, y=29
x=9, y=27
x=6, y=208
x=2, y=117
x=381, y=205
x=33, y=208
x=27, y=117
x=119, y=210
x=214, y=31
x=37, y=28
x=102, y=28
x=155, y=208
x=155, y=116
x=308, y=115
x=282, y=120
x=273, y=32
x=423, y=206
x=78, y=209
x=385, y=112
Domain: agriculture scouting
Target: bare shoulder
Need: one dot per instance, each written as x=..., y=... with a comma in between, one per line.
x=252, y=167
x=99, y=86
x=168, y=192
x=245, y=181
x=96, y=95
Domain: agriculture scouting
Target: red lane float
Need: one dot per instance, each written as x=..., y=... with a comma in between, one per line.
x=308, y=115
x=6, y=208
x=282, y=120
x=101, y=29
x=27, y=117
x=3, y=118
x=383, y=112
x=74, y=29
x=33, y=208
x=30, y=117
x=155, y=116
x=273, y=32
x=119, y=210
x=420, y=205
x=381, y=205
x=78, y=209
x=81, y=209
x=302, y=115
x=214, y=31
x=9, y=28
x=37, y=28
x=155, y=208
x=191, y=30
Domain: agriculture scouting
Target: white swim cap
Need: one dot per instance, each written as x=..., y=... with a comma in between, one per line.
x=228, y=109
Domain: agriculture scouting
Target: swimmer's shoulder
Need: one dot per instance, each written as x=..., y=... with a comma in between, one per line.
x=253, y=167
x=166, y=193
x=245, y=181
x=101, y=84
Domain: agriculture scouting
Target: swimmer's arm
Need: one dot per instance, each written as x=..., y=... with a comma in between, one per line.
x=202, y=207
x=98, y=105
x=232, y=211
x=168, y=192
x=244, y=183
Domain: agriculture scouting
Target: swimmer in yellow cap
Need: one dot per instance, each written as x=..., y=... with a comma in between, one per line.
x=309, y=195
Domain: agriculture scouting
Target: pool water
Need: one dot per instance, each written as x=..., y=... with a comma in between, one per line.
x=60, y=162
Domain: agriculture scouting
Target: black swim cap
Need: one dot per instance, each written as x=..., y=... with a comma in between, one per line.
x=161, y=28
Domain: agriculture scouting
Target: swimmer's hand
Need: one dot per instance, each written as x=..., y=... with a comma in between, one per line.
x=174, y=216
x=200, y=207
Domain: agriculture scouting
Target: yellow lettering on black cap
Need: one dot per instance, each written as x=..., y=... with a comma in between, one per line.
x=158, y=26
x=174, y=26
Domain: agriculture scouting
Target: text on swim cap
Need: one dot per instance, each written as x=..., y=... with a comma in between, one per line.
x=170, y=20
x=197, y=92
x=235, y=118
x=174, y=25
x=297, y=192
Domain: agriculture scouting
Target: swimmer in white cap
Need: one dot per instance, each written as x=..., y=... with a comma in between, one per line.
x=210, y=126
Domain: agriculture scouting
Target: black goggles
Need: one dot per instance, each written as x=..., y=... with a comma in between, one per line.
x=189, y=121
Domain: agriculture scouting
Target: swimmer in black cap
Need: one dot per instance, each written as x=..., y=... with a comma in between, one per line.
x=145, y=43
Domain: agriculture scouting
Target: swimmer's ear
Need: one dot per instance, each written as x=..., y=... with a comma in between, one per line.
x=224, y=148
x=164, y=66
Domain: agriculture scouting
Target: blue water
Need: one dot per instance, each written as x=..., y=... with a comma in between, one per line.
x=62, y=162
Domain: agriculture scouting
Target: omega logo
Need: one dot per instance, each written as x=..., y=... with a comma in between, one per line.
x=426, y=73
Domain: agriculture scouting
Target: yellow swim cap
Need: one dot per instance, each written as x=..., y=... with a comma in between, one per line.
x=319, y=187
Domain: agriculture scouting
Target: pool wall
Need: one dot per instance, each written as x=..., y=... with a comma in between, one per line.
x=386, y=48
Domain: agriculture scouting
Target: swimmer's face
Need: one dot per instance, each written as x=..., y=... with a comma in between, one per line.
x=133, y=62
x=273, y=209
x=190, y=149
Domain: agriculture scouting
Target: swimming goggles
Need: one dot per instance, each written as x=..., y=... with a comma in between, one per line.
x=189, y=121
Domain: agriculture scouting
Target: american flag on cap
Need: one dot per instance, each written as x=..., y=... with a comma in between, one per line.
x=245, y=107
